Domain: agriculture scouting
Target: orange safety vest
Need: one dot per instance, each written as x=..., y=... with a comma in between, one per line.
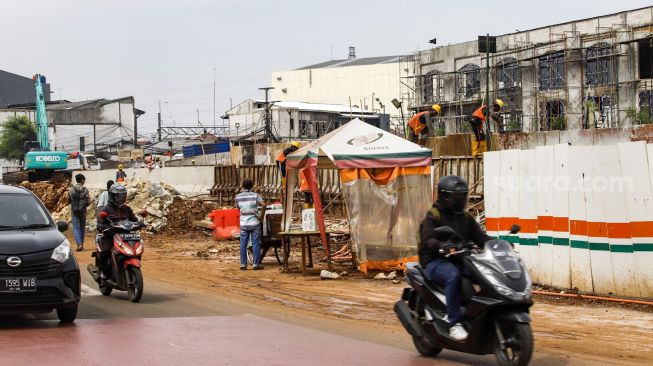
x=415, y=123
x=281, y=158
x=479, y=113
x=303, y=185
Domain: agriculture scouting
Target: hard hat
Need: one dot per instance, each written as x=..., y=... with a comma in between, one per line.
x=120, y=166
x=437, y=108
x=500, y=103
x=296, y=144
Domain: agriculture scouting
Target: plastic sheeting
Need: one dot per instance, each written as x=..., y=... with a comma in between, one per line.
x=386, y=207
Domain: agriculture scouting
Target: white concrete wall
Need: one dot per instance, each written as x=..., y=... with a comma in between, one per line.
x=594, y=220
x=190, y=181
x=337, y=84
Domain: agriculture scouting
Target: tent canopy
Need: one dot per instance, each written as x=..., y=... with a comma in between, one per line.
x=357, y=144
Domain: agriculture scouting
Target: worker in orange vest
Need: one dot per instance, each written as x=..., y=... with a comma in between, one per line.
x=479, y=144
x=306, y=190
x=418, y=124
x=281, y=160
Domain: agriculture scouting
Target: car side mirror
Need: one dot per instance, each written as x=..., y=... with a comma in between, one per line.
x=514, y=229
x=62, y=226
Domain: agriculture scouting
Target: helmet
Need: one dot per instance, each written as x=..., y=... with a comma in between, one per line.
x=120, y=166
x=437, y=108
x=500, y=103
x=452, y=194
x=117, y=195
x=296, y=144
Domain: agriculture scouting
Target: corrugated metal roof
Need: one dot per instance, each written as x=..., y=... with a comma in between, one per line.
x=353, y=62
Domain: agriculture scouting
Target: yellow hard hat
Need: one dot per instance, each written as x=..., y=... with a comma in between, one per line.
x=437, y=108
x=296, y=144
x=500, y=103
x=120, y=166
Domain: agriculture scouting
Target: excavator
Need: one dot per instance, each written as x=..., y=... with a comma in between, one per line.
x=42, y=163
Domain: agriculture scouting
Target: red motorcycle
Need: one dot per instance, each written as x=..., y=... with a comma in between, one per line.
x=125, y=259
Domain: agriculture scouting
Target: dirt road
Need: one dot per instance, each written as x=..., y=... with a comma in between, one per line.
x=361, y=308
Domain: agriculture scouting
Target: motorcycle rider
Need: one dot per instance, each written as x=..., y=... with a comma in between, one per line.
x=116, y=210
x=449, y=210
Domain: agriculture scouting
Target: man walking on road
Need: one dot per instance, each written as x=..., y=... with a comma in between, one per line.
x=79, y=200
x=248, y=203
x=104, y=196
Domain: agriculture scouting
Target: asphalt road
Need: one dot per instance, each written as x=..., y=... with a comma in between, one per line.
x=177, y=326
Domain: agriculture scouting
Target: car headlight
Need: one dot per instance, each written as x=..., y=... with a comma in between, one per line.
x=62, y=252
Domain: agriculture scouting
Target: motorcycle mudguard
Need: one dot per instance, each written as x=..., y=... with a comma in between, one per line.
x=134, y=262
x=514, y=316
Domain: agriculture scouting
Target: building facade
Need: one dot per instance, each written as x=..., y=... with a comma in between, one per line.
x=16, y=89
x=367, y=83
x=590, y=73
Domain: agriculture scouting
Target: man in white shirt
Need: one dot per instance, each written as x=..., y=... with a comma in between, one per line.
x=104, y=196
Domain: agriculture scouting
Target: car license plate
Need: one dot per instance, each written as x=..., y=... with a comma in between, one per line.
x=18, y=284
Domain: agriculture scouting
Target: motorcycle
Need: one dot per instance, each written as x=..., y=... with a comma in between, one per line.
x=496, y=292
x=125, y=259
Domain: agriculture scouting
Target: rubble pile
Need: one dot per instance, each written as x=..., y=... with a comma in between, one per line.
x=183, y=212
x=53, y=196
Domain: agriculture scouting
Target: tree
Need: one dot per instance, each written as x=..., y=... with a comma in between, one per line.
x=15, y=131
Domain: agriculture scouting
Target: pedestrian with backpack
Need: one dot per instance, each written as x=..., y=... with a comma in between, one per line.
x=79, y=200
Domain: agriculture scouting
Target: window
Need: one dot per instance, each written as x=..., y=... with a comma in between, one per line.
x=508, y=74
x=645, y=47
x=552, y=71
x=552, y=116
x=469, y=80
x=598, y=64
x=599, y=112
x=432, y=87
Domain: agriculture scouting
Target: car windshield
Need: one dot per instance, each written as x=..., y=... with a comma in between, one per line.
x=22, y=211
x=91, y=159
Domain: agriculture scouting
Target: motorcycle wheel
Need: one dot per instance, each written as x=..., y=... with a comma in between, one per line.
x=134, y=284
x=519, y=345
x=106, y=290
x=425, y=348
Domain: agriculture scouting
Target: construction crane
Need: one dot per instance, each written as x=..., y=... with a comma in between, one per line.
x=41, y=163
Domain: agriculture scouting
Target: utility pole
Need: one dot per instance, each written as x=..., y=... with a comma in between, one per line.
x=268, y=116
x=159, y=121
x=213, y=99
x=487, y=92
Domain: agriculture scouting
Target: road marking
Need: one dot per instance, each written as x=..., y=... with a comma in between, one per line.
x=87, y=291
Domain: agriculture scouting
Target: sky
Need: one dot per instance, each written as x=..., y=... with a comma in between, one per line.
x=167, y=50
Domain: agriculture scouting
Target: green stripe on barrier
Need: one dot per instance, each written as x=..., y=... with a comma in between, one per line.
x=545, y=239
x=599, y=246
x=510, y=238
x=561, y=241
x=579, y=244
x=621, y=248
x=643, y=247
x=528, y=241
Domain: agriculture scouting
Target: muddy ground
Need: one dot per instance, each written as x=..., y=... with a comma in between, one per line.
x=607, y=333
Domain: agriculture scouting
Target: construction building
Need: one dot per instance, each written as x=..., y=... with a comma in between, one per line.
x=16, y=89
x=369, y=83
x=583, y=74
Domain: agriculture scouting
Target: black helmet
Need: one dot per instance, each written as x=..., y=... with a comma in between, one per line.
x=452, y=194
x=117, y=195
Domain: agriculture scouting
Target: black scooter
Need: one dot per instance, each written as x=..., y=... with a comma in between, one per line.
x=496, y=301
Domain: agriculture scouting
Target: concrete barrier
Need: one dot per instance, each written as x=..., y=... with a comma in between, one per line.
x=189, y=180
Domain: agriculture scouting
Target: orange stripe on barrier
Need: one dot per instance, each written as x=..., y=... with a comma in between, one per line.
x=620, y=230
x=641, y=229
x=561, y=224
x=545, y=223
x=505, y=223
x=491, y=224
x=528, y=226
x=597, y=229
x=577, y=227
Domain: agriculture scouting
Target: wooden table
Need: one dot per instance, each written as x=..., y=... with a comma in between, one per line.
x=305, y=236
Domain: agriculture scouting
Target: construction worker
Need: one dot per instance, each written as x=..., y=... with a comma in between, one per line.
x=120, y=174
x=418, y=124
x=306, y=190
x=479, y=145
x=281, y=160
